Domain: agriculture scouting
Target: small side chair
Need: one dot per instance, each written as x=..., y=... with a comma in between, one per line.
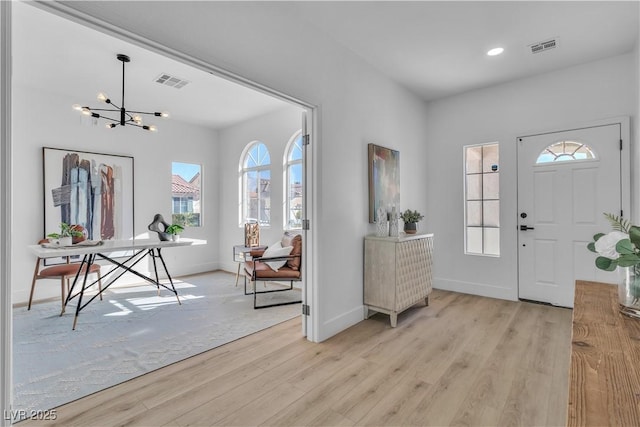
x=64, y=272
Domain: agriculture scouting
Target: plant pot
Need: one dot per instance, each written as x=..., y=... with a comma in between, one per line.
x=175, y=237
x=411, y=227
x=629, y=291
x=61, y=241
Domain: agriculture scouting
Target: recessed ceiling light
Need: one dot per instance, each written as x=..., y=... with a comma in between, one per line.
x=495, y=51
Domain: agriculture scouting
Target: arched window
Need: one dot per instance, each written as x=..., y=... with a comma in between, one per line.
x=255, y=176
x=565, y=151
x=293, y=184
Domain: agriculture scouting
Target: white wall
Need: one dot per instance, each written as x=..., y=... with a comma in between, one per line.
x=546, y=102
x=274, y=130
x=356, y=105
x=51, y=122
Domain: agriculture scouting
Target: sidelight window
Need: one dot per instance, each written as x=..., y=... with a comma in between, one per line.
x=482, y=199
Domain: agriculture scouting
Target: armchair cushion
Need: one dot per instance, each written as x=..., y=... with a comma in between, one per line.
x=276, y=250
x=259, y=270
x=295, y=240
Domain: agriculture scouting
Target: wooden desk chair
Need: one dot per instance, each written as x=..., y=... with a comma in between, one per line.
x=64, y=272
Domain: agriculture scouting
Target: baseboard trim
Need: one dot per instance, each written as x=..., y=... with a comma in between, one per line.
x=473, y=288
x=339, y=323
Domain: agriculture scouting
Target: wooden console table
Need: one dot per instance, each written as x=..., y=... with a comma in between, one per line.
x=604, y=380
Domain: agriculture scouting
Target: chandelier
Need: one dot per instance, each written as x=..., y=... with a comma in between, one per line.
x=131, y=118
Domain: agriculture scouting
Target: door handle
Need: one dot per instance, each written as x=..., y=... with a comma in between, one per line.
x=525, y=228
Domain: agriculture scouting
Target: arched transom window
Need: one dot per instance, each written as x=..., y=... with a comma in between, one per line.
x=565, y=151
x=255, y=174
x=293, y=182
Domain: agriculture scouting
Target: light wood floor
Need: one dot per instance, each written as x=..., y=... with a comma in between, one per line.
x=464, y=360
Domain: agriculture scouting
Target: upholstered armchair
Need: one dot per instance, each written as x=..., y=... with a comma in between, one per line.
x=282, y=268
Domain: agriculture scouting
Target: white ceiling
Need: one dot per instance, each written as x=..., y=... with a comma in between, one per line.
x=436, y=49
x=56, y=55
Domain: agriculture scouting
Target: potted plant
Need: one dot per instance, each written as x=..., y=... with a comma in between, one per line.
x=175, y=230
x=411, y=219
x=66, y=235
x=621, y=248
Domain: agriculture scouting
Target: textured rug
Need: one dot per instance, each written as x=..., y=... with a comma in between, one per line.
x=131, y=332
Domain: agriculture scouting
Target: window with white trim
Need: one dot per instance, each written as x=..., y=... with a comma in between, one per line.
x=255, y=177
x=186, y=206
x=482, y=199
x=293, y=183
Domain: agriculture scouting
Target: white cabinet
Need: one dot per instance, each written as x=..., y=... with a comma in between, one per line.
x=397, y=273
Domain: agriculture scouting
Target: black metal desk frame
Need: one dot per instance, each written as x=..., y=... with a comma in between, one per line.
x=89, y=259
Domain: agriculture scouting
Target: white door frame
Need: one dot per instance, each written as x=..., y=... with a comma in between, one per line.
x=5, y=214
x=66, y=12
x=628, y=187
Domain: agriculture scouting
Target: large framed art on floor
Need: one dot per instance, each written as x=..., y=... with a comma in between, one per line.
x=93, y=190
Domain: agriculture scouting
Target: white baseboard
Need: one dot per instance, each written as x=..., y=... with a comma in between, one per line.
x=193, y=269
x=473, y=288
x=339, y=323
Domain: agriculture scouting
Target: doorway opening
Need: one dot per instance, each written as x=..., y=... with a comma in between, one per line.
x=200, y=132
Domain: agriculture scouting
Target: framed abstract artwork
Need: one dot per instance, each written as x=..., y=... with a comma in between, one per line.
x=384, y=179
x=93, y=190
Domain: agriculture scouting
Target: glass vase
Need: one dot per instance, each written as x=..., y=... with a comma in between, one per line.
x=393, y=223
x=382, y=224
x=629, y=291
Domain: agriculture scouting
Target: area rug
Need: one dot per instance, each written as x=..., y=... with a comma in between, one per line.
x=131, y=332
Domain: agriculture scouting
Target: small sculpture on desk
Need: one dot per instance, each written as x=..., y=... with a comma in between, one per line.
x=159, y=225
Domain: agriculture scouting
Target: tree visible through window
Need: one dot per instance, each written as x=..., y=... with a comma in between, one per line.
x=255, y=171
x=482, y=199
x=185, y=194
x=293, y=182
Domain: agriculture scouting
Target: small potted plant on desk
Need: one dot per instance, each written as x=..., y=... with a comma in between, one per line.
x=175, y=230
x=68, y=235
x=411, y=219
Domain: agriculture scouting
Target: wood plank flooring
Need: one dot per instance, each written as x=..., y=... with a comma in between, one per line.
x=464, y=360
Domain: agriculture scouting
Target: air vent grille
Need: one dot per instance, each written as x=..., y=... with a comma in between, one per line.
x=544, y=46
x=169, y=80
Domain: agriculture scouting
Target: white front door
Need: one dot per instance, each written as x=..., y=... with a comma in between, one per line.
x=566, y=181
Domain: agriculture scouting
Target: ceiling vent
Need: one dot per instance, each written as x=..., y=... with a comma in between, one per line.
x=544, y=46
x=169, y=80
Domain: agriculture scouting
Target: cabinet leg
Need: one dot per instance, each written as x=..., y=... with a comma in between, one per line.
x=394, y=319
x=426, y=301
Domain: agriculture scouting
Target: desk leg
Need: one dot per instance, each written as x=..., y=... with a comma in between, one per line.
x=84, y=285
x=168, y=275
x=155, y=268
x=75, y=280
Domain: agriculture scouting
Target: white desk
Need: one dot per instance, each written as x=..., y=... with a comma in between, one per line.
x=140, y=249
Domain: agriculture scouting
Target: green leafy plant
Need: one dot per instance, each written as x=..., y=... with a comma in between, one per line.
x=174, y=229
x=411, y=216
x=66, y=230
x=618, y=248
